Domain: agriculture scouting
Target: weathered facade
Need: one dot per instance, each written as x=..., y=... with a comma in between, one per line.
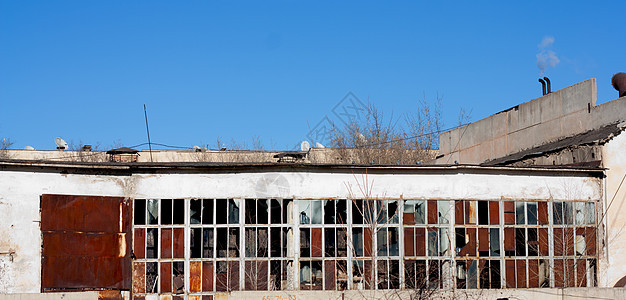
x=206, y=230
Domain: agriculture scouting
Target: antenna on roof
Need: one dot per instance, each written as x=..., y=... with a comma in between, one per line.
x=145, y=113
x=305, y=146
x=61, y=144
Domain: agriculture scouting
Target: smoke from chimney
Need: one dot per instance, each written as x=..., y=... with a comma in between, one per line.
x=546, y=57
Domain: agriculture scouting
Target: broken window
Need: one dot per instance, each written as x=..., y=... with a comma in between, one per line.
x=195, y=213
x=316, y=212
x=443, y=209
x=305, y=211
x=590, y=213
x=444, y=241
x=483, y=212
x=520, y=214
x=520, y=241
x=533, y=242
x=329, y=211
x=433, y=242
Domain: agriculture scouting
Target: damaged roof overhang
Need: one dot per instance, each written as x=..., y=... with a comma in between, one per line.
x=110, y=168
x=592, y=137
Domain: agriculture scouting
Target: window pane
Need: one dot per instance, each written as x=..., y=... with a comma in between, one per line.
x=381, y=239
x=179, y=211
x=207, y=243
x=250, y=242
x=381, y=211
x=262, y=211
x=590, y=213
x=250, y=211
x=557, y=213
x=140, y=212
x=153, y=212
x=207, y=211
x=275, y=210
x=195, y=207
x=233, y=211
x=342, y=212
x=433, y=242
x=393, y=211
x=393, y=241
x=357, y=240
x=580, y=213
x=329, y=211
x=221, y=211
x=532, y=213
x=166, y=211
x=494, y=241
x=568, y=212
x=195, y=242
x=316, y=212
x=420, y=212
x=443, y=208
x=444, y=241
x=305, y=211
x=520, y=217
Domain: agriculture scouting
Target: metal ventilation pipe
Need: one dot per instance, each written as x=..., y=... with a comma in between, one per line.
x=619, y=83
x=548, y=84
x=543, y=85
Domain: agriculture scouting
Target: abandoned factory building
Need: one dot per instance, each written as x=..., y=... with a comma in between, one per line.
x=529, y=199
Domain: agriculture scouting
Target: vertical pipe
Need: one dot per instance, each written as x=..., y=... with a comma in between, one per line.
x=548, y=84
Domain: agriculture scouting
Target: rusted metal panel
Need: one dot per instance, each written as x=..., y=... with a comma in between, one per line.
x=509, y=213
x=520, y=273
x=367, y=241
x=509, y=266
x=432, y=212
x=533, y=273
x=207, y=276
x=316, y=242
x=139, y=246
x=543, y=242
x=471, y=244
x=195, y=276
x=420, y=241
x=581, y=273
x=509, y=239
x=166, y=243
x=166, y=277
x=139, y=277
x=494, y=213
x=110, y=295
x=408, y=218
x=458, y=212
x=179, y=243
x=329, y=275
x=590, y=240
x=558, y=241
x=483, y=239
x=542, y=211
x=559, y=271
x=86, y=242
x=569, y=241
x=409, y=242
x=569, y=273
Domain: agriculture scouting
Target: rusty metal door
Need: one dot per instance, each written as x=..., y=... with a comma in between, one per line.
x=86, y=242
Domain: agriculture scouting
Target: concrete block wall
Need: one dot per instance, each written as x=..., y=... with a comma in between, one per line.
x=563, y=113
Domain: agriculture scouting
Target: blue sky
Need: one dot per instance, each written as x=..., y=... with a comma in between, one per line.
x=82, y=70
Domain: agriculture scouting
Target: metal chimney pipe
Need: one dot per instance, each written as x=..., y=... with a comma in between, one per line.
x=543, y=85
x=619, y=83
x=548, y=84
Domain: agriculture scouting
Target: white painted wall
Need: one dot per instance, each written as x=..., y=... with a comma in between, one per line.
x=614, y=158
x=20, y=191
